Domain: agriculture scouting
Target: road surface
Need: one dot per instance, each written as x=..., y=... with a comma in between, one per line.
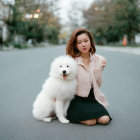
x=22, y=73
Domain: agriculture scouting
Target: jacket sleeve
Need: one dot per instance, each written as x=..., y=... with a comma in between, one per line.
x=101, y=63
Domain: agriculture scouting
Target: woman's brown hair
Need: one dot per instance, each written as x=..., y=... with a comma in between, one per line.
x=71, y=48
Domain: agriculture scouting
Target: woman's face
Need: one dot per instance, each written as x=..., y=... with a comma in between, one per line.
x=83, y=43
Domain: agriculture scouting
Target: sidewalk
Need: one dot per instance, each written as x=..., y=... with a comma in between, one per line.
x=129, y=50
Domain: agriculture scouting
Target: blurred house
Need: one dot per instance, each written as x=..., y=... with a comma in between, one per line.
x=4, y=10
x=137, y=39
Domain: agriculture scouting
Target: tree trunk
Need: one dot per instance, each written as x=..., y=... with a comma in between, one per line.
x=131, y=38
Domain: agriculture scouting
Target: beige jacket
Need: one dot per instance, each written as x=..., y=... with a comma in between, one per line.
x=91, y=76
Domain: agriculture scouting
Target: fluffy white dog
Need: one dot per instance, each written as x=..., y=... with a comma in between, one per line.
x=57, y=91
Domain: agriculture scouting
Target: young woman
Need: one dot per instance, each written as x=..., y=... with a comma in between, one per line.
x=88, y=106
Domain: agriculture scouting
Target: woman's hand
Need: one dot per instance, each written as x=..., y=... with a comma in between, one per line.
x=104, y=63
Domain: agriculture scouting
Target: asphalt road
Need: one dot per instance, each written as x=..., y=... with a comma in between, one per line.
x=22, y=73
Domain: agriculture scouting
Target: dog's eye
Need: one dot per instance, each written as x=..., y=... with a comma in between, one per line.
x=61, y=66
x=67, y=66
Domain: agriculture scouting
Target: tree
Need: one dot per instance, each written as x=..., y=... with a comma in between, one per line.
x=110, y=20
x=32, y=19
x=75, y=15
x=127, y=15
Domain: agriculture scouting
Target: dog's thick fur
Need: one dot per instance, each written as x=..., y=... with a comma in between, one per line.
x=57, y=91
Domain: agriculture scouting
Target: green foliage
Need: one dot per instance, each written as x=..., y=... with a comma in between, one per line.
x=51, y=33
x=32, y=30
x=14, y=22
x=19, y=45
x=111, y=20
x=127, y=16
x=37, y=29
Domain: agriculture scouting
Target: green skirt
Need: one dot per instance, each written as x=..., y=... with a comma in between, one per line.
x=85, y=108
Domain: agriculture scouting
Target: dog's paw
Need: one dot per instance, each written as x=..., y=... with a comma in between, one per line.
x=47, y=119
x=64, y=121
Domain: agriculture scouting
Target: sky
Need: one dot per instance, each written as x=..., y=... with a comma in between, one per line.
x=66, y=7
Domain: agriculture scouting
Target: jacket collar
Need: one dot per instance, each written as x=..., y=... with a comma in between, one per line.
x=80, y=59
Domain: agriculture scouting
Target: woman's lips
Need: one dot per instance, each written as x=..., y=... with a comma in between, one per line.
x=84, y=49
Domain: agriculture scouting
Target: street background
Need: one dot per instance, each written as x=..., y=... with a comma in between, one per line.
x=22, y=74
x=34, y=32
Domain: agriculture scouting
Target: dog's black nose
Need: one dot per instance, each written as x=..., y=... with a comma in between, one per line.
x=64, y=71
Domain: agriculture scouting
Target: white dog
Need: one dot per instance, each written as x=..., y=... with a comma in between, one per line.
x=57, y=91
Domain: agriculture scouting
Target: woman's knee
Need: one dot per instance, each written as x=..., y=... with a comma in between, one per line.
x=103, y=120
x=89, y=122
